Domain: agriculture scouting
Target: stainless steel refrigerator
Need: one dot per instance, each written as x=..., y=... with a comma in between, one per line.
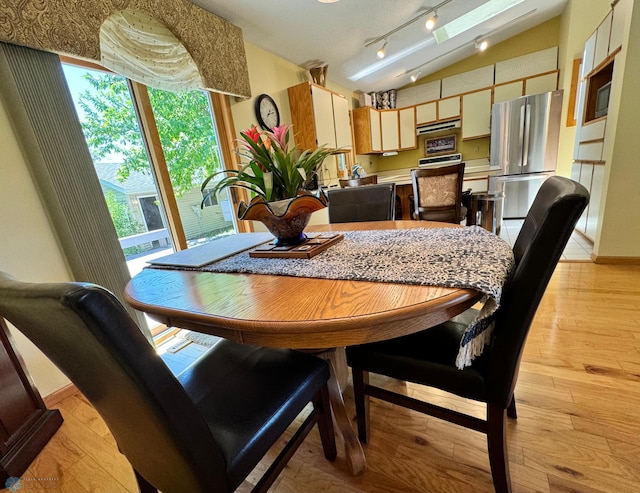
x=524, y=144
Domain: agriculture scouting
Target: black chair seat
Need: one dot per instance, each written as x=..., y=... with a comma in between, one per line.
x=427, y=357
x=249, y=396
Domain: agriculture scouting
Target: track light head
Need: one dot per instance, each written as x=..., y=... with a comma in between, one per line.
x=432, y=20
x=382, y=50
x=482, y=44
x=414, y=77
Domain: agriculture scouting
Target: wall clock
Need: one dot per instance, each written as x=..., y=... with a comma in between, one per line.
x=267, y=112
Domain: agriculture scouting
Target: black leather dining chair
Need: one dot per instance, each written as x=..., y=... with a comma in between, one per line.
x=203, y=430
x=365, y=203
x=428, y=357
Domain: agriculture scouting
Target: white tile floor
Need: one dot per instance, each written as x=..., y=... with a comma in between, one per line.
x=578, y=248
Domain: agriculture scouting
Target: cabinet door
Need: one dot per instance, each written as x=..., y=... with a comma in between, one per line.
x=449, y=108
x=426, y=113
x=602, y=40
x=476, y=114
x=621, y=12
x=390, y=130
x=587, y=55
x=341, y=121
x=507, y=92
x=408, y=137
x=595, y=193
x=586, y=173
x=376, y=131
x=541, y=84
x=323, y=117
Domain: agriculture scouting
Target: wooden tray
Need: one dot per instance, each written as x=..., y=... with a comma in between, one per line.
x=312, y=246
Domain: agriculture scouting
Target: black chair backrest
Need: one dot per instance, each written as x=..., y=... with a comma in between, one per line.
x=437, y=192
x=366, y=203
x=87, y=333
x=542, y=239
x=358, y=182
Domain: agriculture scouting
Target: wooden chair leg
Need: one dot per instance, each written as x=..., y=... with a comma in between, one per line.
x=360, y=381
x=497, y=444
x=511, y=410
x=325, y=424
x=143, y=485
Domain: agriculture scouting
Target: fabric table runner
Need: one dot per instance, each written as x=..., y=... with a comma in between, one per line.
x=468, y=257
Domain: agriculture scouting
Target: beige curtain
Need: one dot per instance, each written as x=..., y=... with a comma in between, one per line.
x=138, y=46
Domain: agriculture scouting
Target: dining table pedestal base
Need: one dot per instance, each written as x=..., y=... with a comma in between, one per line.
x=354, y=454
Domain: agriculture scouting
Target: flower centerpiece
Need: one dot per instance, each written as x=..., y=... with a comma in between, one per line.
x=276, y=174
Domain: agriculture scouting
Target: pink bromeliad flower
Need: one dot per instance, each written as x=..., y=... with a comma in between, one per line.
x=280, y=135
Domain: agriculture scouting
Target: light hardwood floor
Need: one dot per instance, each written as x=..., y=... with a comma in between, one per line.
x=578, y=399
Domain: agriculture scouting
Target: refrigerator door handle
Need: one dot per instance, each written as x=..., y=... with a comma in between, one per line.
x=527, y=135
x=521, y=136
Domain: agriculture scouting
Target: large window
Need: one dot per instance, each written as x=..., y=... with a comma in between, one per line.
x=151, y=150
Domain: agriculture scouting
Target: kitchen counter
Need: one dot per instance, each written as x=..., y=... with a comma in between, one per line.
x=472, y=169
x=476, y=173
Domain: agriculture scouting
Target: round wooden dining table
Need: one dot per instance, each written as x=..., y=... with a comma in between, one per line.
x=300, y=312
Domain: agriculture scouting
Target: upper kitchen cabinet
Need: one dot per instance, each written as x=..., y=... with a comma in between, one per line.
x=508, y=91
x=434, y=111
x=529, y=86
x=319, y=117
x=476, y=114
x=449, y=108
x=621, y=12
x=390, y=126
x=366, y=130
x=378, y=131
x=408, y=137
x=427, y=113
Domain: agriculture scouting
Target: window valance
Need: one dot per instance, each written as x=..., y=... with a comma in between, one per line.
x=215, y=46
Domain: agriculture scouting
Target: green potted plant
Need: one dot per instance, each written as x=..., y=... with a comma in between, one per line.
x=276, y=173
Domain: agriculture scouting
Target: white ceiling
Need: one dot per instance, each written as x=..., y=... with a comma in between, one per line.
x=307, y=32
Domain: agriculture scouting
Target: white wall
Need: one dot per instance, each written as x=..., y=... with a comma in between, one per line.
x=28, y=250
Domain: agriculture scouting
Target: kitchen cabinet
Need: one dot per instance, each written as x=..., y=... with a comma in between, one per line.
x=319, y=117
x=477, y=184
x=476, y=114
x=587, y=54
x=621, y=13
x=367, y=130
x=541, y=84
x=449, y=108
x=591, y=176
x=378, y=131
x=390, y=127
x=601, y=50
x=595, y=198
x=509, y=91
x=408, y=137
x=26, y=425
x=427, y=112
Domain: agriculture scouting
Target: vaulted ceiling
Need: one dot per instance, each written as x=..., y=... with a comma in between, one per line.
x=308, y=33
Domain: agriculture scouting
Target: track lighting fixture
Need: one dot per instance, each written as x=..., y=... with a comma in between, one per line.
x=382, y=50
x=482, y=44
x=414, y=77
x=431, y=21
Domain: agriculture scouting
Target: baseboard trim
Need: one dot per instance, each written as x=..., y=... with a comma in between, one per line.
x=54, y=398
x=599, y=259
